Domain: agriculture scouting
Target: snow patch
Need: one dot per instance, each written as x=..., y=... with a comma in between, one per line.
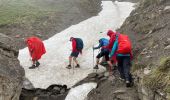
x=80, y=92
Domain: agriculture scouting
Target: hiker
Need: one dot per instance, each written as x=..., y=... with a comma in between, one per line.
x=77, y=46
x=112, y=62
x=36, y=49
x=103, y=42
x=122, y=48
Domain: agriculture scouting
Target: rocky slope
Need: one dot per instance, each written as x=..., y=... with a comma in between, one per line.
x=11, y=73
x=148, y=27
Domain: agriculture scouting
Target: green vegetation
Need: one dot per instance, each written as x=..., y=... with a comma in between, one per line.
x=160, y=77
x=20, y=11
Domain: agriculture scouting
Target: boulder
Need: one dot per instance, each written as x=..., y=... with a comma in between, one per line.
x=11, y=73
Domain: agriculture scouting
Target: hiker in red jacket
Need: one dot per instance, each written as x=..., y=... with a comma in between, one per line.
x=123, y=50
x=36, y=49
x=77, y=46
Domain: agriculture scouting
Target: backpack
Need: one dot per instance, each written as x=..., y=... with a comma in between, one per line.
x=104, y=41
x=79, y=44
x=124, y=44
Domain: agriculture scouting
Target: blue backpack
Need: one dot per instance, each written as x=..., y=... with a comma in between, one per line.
x=79, y=44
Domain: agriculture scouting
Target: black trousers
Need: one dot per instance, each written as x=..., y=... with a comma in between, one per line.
x=124, y=65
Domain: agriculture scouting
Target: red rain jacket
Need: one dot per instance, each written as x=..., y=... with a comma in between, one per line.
x=112, y=36
x=36, y=47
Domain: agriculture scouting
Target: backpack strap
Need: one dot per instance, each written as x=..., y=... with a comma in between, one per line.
x=117, y=36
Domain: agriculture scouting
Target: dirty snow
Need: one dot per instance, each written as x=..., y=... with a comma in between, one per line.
x=80, y=92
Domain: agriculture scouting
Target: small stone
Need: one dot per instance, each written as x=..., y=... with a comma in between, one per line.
x=56, y=88
x=111, y=78
x=62, y=91
x=155, y=46
x=100, y=76
x=106, y=74
x=168, y=40
x=92, y=79
x=167, y=8
x=167, y=47
x=92, y=75
x=146, y=71
x=120, y=91
x=39, y=35
x=17, y=36
x=148, y=56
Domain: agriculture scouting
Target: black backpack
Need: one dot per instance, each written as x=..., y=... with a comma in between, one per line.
x=79, y=44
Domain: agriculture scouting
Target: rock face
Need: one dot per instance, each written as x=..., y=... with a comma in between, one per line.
x=53, y=92
x=11, y=73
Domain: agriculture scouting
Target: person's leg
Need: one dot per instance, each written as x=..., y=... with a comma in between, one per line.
x=126, y=67
x=75, y=59
x=33, y=64
x=120, y=67
x=37, y=63
x=70, y=60
x=98, y=59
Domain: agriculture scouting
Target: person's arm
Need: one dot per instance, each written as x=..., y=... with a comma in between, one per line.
x=115, y=46
x=100, y=45
x=111, y=41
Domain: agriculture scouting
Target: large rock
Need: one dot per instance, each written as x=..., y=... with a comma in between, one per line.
x=11, y=72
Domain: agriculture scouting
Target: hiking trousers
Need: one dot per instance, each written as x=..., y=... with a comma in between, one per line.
x=124, y=65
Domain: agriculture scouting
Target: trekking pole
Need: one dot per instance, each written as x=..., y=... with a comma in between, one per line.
x=93, y=56
x=73, y=65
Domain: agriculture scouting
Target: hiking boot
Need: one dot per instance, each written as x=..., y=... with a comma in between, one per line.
x=37, y=64
x=68, y=67
x=32, y=67
x=128, y=84
x=78, y=66
x=96, y=67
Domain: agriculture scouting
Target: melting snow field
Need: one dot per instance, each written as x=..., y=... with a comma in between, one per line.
x=52, y=69
x=80, y=92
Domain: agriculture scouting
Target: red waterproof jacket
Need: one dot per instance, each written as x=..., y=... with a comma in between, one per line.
x=112, y=36
x=36, y=47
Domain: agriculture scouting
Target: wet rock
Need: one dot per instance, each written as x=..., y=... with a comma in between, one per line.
x=146, y=71
x=167, y=47
x=11, y=73
x=27, y=84
x=120, y=91
x=92, y=75
x=167, y=8
x=53, y=92
x=155, y=46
